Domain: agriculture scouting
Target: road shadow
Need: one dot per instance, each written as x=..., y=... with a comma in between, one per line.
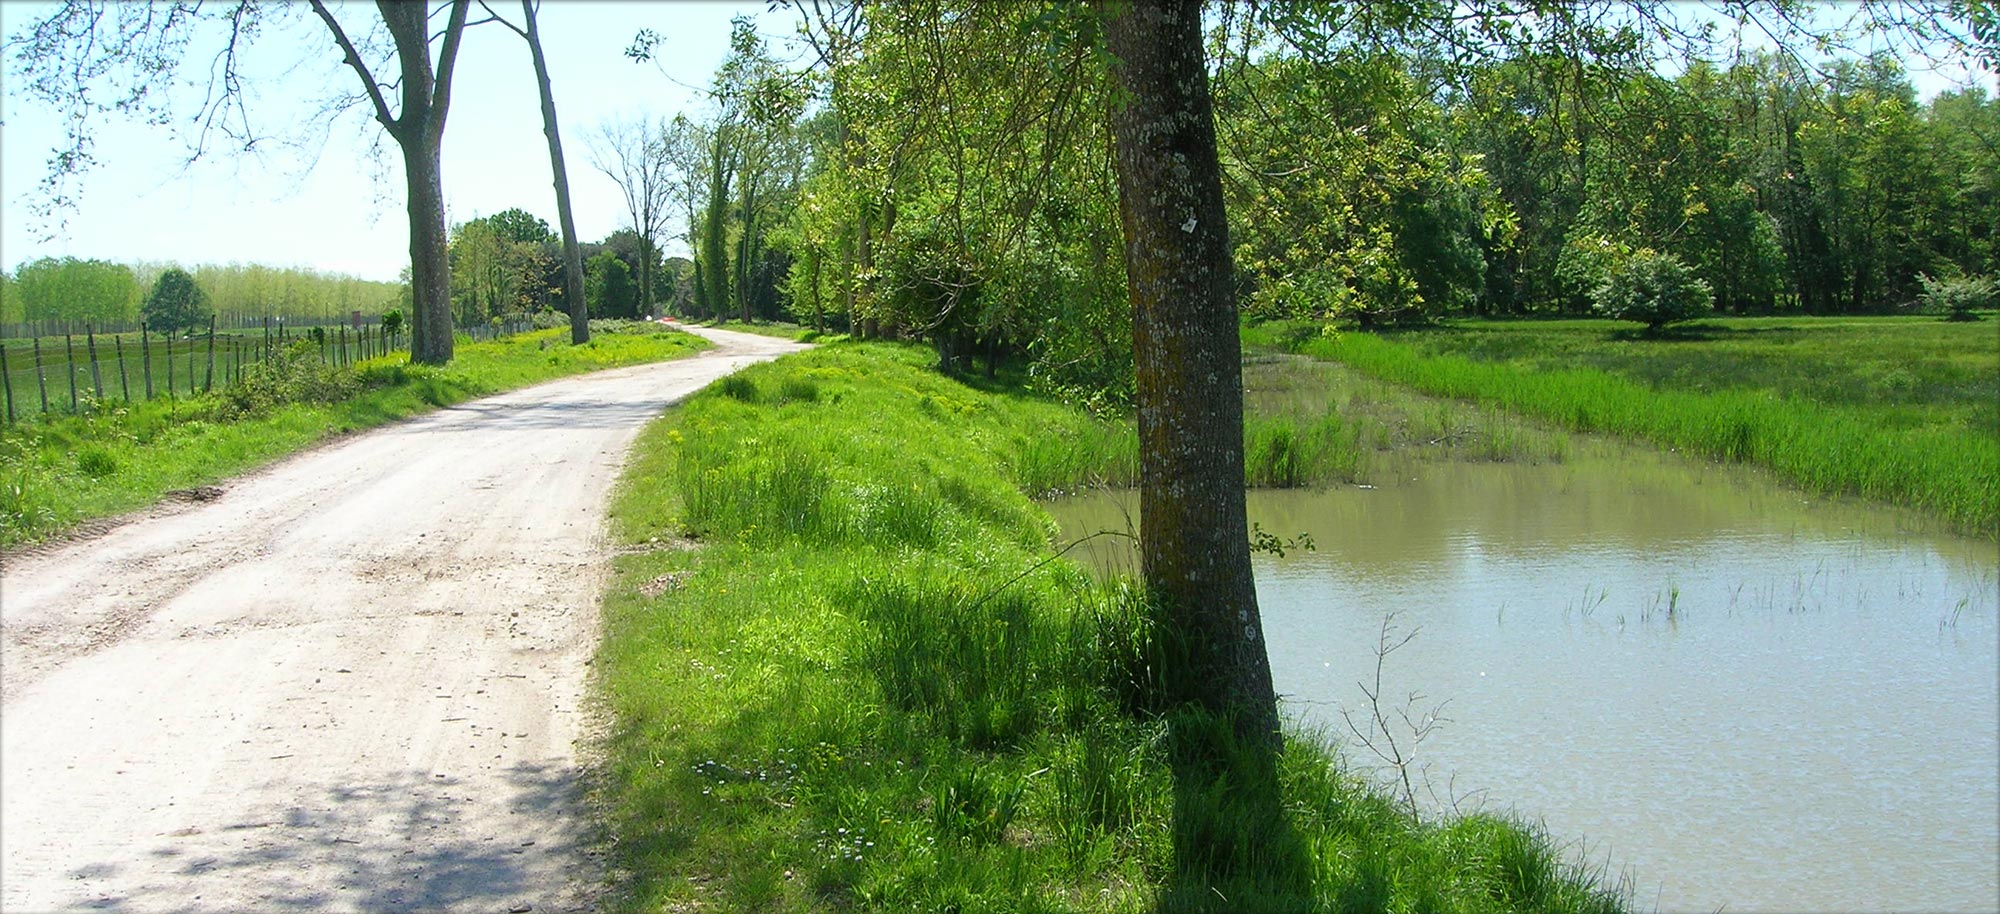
x=415, y=842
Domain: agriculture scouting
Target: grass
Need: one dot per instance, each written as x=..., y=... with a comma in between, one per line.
x=59, y=471
x=843, y=673
x=1899, y=410
x=177, y=366
x=784, y=330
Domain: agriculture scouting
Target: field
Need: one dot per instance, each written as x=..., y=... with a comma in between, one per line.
x=845, y=674
x=63, y=374
x=1900, y=410
x=61, y=470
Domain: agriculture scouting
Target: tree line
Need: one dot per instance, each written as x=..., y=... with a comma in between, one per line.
x=53, y=290
x=948, y=178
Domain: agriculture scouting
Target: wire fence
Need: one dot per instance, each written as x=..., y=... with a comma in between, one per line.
x=71, y=372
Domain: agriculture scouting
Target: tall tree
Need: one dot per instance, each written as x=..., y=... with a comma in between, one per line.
x=636, y=155
x=417, y=126
x=1194, y=536
x=91, y=58
x=579, y=310
x=176, y=303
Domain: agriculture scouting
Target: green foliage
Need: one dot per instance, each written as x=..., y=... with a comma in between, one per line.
x=609, y=288
x=519, y=226
x=991, y=235
x=176, y=303
x=297, y=375
x=1957, y=298
x=505, y=264
x=1346, y=201
x=10, y=301
x=76, y=290
x=298, y=295
x=1654, y=289
x=866, y=686
x=392, y=322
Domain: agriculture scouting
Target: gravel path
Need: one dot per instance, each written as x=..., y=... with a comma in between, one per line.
x=354, y=681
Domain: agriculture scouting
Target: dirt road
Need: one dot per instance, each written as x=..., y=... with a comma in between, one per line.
x=353, y=682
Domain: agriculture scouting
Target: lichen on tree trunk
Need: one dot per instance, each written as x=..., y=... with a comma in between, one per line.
x=1195, y=552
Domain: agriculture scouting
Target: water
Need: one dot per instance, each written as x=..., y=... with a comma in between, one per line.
x=1737, y=699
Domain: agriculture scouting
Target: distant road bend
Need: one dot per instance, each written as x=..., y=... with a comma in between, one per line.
x=354, y=682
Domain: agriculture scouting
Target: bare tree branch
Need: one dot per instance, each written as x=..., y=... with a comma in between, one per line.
x=353, y=59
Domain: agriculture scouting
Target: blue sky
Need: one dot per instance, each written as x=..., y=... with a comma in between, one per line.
x=141, y=205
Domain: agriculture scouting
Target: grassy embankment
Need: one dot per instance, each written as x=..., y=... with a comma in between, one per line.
x=1899, y=410
x=843, y=674
x=59, y=471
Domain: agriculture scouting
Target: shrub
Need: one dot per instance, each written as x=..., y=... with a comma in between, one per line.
x=1654, y=289
x=297, y=375
x=1956, y=298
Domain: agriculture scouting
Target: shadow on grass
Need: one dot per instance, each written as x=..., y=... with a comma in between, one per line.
x=1235, y=849
x=1698, y=333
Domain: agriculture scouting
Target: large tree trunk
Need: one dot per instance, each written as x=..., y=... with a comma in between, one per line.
x=1229, y=826
x=430, y=270
x=579, y=311
x=1194, y=538
x=419, y=130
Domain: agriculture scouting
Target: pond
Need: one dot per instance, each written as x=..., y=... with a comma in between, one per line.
x=1731, y=696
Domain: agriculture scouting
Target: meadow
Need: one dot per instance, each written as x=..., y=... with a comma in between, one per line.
x=845, y=672
x=1899, y=410
x=59, y=471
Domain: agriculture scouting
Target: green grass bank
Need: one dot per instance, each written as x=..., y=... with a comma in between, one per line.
x=1900, y=410
x=844, y=673
x=60, y=471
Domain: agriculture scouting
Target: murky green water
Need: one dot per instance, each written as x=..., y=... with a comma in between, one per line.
x=1741, y=700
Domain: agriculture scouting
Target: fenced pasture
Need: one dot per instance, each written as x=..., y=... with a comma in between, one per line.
x=68, y=372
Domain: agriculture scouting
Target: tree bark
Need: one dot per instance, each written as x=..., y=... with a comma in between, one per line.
x=430, y=270
x=418, y=129
x=1194, y=537
x=579, y=310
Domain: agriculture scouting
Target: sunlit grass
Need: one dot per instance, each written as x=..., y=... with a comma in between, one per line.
x=59, y=471
x=843, y=674
x=1899, y=411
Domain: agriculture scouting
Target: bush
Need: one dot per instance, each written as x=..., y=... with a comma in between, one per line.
x=1956, y=298
x=1654, y=289
x=297, y=375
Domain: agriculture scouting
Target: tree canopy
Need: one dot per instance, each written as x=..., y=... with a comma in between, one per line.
x=176, y=303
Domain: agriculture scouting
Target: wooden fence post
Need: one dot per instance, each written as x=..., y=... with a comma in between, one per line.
x=96, y=378
x=41, y=377
x=69, y=364
x=124, y=385
x=146, y=360
x=170, y=366
x=208, y=379
x=7, y=381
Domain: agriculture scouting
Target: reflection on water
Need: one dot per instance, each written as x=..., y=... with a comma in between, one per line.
x=1744, y=700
